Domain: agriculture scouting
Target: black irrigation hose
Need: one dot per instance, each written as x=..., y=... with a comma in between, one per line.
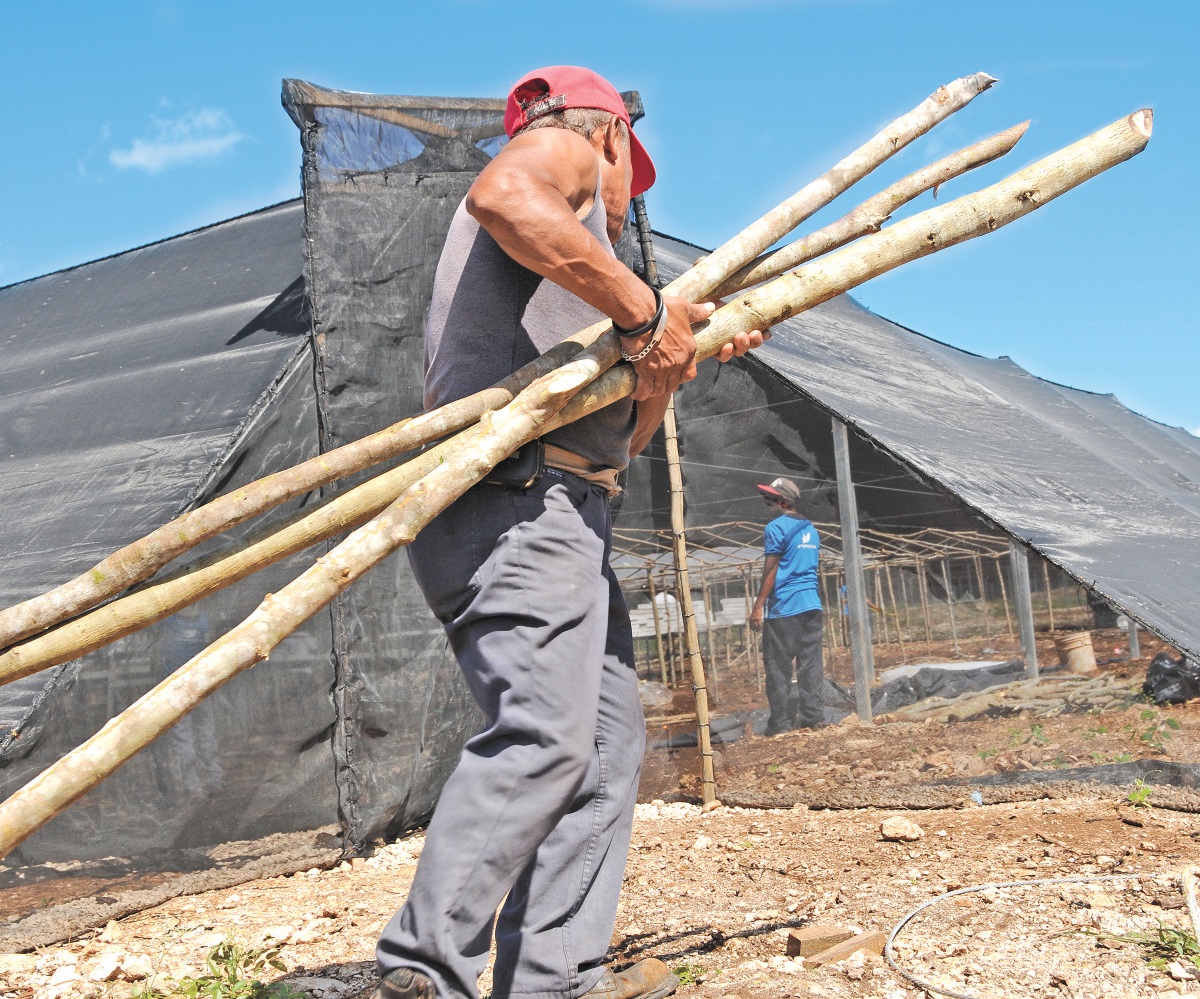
x=929, y=987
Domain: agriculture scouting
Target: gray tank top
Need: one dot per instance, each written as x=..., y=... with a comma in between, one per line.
x=489, y=316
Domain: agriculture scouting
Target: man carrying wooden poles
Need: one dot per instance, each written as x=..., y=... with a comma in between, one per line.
x=538, y=813
x=557, y=389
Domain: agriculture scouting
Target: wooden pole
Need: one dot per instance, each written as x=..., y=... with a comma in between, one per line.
x=860, y=624
x=923, y=590
x=658, y=638
x=691, y=638
x=879, y=602
x=873, y=213
x=1049, y=598
x=1004, y=598
x=709, y=621
x=896, y=611
x=562, y=396
x=950, y=602
x=983, y=602
x=139, y=561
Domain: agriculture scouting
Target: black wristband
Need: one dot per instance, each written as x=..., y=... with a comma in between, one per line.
x=651, y=323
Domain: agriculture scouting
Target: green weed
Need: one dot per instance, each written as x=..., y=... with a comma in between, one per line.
x=1161, y=946
x=232, y=973
x=689, y=974
x=1139, y=796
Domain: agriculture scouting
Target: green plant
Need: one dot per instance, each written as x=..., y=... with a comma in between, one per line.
x=1139, y=795
x=773, y=768
x=1123, y=758
x=986, y=754
x=688, y=974
x=1160, y=946
x=232, y=973
x=1036, y=734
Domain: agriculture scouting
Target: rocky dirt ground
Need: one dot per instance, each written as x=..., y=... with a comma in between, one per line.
x=715, y=894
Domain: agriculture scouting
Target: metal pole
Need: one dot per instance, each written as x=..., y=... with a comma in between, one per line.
x=1019, y=563
x=690, y=637
x=856, y=593
x=1135, y=648
x=1049, y=598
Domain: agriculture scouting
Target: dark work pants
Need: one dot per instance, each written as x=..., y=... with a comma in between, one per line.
x=786, y=639
x=538, y=813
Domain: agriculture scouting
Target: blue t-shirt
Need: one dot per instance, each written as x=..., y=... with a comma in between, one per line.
x=798, y=546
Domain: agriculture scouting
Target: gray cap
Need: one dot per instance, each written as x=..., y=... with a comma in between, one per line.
x=784, y=489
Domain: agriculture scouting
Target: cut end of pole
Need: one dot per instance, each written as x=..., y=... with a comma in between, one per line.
x=984, y=80
x=1143, y=121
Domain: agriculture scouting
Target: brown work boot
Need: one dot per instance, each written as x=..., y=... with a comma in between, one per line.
x=405, y=983
x=648, y=979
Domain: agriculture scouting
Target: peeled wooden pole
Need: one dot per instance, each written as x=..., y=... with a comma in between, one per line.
x=139, y=560
x=537, y=411
x=690, y=635
x=127, y=615
x=873, y=213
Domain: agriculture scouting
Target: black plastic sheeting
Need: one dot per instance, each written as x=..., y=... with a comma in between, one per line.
x=135, y=387
x=131, y=389
x=838, y=701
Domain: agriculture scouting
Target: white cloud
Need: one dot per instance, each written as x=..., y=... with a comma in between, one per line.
x=191, y=137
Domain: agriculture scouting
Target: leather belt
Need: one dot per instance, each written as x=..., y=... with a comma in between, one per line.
x=569, y=461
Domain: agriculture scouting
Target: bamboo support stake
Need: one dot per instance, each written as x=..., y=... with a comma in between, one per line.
x=708, y=633
x=139, y=560
x=896, y=611
x=950, y=602
x=871, y=215
x=540, y=407
x=924, y=592
x=658, y=636
x=1004, y=597
x=883, y=621
x=690, y=637
x=982, y=593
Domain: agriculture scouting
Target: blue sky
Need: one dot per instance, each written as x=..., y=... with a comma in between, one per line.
x=132, y=121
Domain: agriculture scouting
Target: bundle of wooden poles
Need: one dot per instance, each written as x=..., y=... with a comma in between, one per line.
x=577, y=377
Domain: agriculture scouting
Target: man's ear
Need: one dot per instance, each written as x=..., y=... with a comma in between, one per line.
x=613, y=141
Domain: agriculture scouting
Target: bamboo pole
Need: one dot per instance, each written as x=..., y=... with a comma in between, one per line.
x=708, y=633
x=982, y=594
x=950, y=602
x=923, y=590
x=658, y=637
x=896, y=611
x=139, y=560
x=871, y=215
x=883, y=621
x=559, y=397
x=690, y=637
x=1004, y=597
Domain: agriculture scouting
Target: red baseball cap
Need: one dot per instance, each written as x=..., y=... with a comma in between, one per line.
x=555, y=88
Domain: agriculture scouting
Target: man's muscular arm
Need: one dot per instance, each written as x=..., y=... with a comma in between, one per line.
x=529, y=199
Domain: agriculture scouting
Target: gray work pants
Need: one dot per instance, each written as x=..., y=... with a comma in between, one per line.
x=786, y=640
x=538, y=812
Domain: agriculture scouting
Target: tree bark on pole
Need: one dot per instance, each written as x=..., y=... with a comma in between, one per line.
x=690, y=636
x=560, y=397
x=856, y=594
